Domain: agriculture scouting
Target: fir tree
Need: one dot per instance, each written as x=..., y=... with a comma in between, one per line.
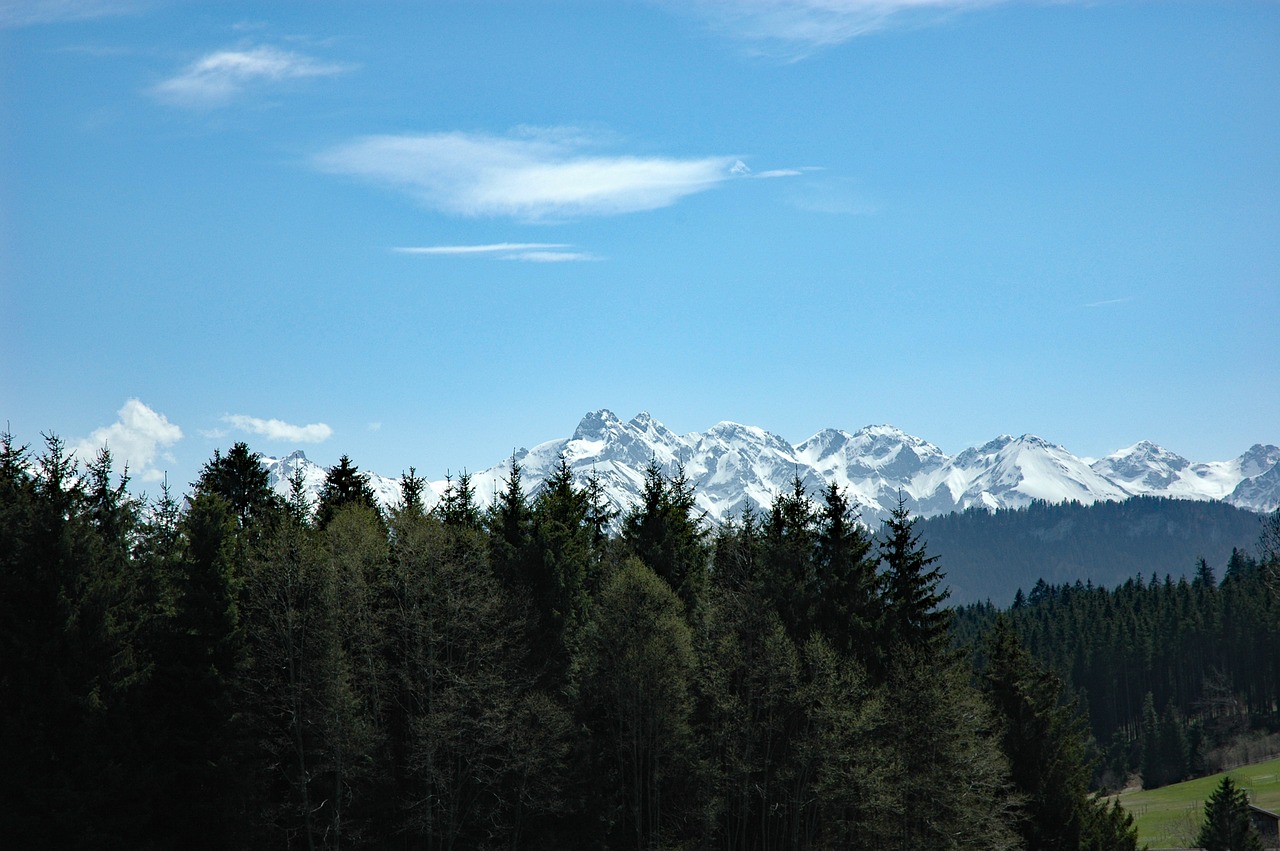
x=240, y=479
x=1227, y=823
x=344, y=485
x=846, y=604
x=911, y=579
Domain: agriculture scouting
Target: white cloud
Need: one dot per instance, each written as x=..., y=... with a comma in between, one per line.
x=489, y=248
x=532, y=174
x=796, y=28
x=1109, y=302
x=551, y=256
x=217, y=78
x=136, y=440
x=279, y=429
x=530, y=252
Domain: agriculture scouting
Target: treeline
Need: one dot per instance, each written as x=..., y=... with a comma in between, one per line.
x=1179, y=677
x=989, y=554
x=238, y=670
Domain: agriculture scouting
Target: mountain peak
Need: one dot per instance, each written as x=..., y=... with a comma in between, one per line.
x=596, y=425
x=732, y=466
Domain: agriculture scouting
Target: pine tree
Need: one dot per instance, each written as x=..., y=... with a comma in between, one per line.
x=344, y=485
x=787, y=570
x=665, y=532
x=846, y=604
x=240, y=479
x=1227, y=823
x=1044, y=741
x=634, y=675
x=911, y=579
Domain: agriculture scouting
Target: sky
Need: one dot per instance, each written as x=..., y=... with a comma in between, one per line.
x=427, y=234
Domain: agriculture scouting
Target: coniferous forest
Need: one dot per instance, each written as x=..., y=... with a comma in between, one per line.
x=233, y=669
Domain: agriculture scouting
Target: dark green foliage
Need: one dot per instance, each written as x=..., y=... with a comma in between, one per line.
x=457, y=507
x=411, y=488
x=847, y=607
x=1044, y=740
x=344, y=485
x=241, y=480
x=1227, y=824
x=665, y=532
x=222, y=672
x=633, y=679
x=787, y=572
x=912, y=579
x=1108, y=828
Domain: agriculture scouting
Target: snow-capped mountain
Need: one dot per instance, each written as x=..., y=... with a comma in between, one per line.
x=733, y=467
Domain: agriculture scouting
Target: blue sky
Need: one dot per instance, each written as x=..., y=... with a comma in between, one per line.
x=429, y=233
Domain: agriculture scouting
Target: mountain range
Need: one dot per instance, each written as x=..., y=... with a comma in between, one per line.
x=733, y=467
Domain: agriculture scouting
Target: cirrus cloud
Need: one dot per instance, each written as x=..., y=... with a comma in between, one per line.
x=274, y=429
x=530, y=252
x=532, y=174
x=795, y=28
x=217, y=78
x=136, y=440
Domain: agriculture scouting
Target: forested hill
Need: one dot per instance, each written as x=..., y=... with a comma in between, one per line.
x=990, y=555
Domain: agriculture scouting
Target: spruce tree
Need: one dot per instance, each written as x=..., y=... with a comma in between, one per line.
x=787, y=571
x=1227, y=823
x=665, y=532
x=240, y=479
x=846, y=605
x=1044, y=741
x=344, y=485
x=911, y=579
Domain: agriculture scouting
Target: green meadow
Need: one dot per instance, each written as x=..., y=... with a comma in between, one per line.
x=1170, y=817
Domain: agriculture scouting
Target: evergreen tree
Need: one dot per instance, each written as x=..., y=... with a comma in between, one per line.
x=1227, y=823
x=665, y=532
x=1044, y=741
x=562, y=568
x=240, y=479
x=412, y=487
x=344, y=485
x=911, y=579
x=846, y=604
x=458, y=505
x=510, y=527
x=787, y=570
x=634, y=676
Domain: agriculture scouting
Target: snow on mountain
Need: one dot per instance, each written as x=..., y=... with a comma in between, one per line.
x=1143, y=467
x=1248, y=481
x=733, y=467
x=1011, y=472
x=280, y=472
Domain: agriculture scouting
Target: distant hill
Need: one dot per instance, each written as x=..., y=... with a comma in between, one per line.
x=991, y=554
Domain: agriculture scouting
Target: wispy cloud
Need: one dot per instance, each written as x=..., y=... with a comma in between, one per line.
x=23, y=13
x=218, y=78
x=530, y=252
x=1110, y=301
x=552, y=256
x=795, y=28
x=137, y=440
x=533, y=174
x=488, y=248
x=279, y=429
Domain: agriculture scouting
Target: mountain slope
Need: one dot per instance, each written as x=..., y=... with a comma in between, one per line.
x=734, y=467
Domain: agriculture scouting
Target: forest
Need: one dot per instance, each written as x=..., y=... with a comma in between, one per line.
x=234, y=669
x=1178, y=678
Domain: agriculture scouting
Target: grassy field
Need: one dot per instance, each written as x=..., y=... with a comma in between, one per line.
x=1170, y=817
